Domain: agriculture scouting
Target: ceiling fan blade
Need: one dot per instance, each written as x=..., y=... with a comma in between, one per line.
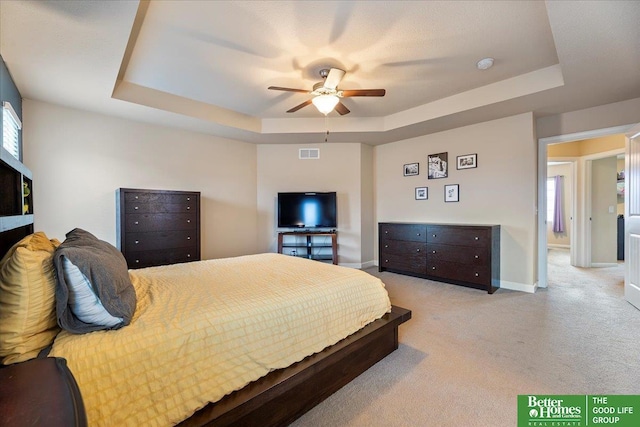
x=287, y=89
x=341, y=109
x=297, y=107
x=333, y=78
x=363, y=92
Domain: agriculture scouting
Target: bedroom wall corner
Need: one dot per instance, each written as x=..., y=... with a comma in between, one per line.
x=338, y=169
x=79, y=158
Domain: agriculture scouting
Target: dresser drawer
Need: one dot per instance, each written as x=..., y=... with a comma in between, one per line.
x=140, y=259
x=479, y=274
x=411, y=263
x=161, y=221
x=159, y=198
x=463, y=255
x=462, y=236
x=160, y=240
x=160, y=208
x=401, y=247
x=408, y=232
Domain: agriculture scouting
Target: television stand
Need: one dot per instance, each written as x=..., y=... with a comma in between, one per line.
x=315, y=245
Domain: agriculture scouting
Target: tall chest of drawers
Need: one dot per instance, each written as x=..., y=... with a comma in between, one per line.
x=467, y=255
x=157, y=227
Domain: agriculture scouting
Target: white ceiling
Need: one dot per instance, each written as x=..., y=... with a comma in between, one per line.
x=206, y=65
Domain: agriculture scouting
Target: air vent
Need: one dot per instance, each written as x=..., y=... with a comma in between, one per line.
x=309, y=154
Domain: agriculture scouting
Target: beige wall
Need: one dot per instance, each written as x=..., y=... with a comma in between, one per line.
x=501, y=190
x=340, y=168
x=562, y=239
x=368, y=206
x=78, y=159
x=603, y=211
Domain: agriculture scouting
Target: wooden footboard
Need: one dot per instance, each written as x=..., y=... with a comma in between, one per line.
x=284, y=395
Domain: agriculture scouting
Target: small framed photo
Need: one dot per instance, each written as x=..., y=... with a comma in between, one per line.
x=422, y=193
x=452, y=193
x=438, y=165
x=467, y=161
x=411, y=169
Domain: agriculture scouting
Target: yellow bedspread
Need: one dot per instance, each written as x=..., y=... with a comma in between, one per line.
x=202, y=330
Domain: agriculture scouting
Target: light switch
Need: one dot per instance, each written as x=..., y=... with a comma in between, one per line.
x=611, y=209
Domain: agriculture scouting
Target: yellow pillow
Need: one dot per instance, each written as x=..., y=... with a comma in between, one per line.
x=27, y=298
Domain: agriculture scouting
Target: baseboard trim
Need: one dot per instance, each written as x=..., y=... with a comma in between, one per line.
x=368, y=264
x=514, y=286
x=603, y=264
x=355, y=265
x=553, y=245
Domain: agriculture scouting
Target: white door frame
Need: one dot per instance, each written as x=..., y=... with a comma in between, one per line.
x=542, y=187
x=631, y=273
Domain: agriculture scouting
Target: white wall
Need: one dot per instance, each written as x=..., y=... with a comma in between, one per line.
x=79, y=159
x=501, y=190
x=338, y=169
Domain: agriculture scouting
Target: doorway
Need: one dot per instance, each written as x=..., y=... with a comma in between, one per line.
x=570, y=149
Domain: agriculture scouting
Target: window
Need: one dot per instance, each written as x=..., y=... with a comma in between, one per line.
x=11, y=126
x=551, y=198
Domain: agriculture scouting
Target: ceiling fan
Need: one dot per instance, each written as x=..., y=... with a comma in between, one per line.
x=326, y=95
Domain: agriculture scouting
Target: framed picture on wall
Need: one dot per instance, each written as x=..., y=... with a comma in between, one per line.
x=452, y=193
x=467, y=161
x=411, y=169
x=422, y=193
x=438, y=165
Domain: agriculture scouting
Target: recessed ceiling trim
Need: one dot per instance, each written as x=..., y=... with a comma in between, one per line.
x=525, y=84
x=137, y=94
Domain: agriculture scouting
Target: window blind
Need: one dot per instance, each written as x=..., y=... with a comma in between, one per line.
x=11, y=126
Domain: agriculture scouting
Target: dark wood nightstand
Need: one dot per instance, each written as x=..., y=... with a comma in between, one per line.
x=40, y=392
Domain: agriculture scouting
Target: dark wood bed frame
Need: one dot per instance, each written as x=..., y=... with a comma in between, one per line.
x=282, y=396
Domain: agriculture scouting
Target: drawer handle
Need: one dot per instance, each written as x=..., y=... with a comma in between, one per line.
x=386, y=260
x=188, y=207
x=135, y=208
x=418, y=250
x=136, y=197
x=136, y=223
x=188, y=199
x=386, y=232
x=137, y=261
x=476, y=257
x=137, y=241
x=386, y=246
x=433, y=252
x=188, y=220
x=434, y=235
x=477, y=238
x=188, y=255
x=477, y=274
x=188, y=237
x=418, y=234
x=433, y=268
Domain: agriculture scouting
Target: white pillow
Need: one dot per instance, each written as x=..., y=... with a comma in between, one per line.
x=83, y=301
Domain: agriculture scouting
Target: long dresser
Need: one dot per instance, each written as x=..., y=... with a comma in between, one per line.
x=157, y=227
x=467, y=255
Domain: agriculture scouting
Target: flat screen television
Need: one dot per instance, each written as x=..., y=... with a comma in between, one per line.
x=307, y=210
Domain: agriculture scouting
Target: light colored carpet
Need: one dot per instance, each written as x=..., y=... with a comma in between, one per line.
x=466, y=355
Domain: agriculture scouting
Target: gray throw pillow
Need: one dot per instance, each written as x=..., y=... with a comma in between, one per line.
x=105, y=271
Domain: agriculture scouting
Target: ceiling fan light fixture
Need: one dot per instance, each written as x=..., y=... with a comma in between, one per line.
x=325, y=103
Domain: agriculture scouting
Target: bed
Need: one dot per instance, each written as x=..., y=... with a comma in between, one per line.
x=252, y=340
